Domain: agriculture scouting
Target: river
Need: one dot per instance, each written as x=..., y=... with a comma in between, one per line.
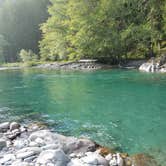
x=121, y=109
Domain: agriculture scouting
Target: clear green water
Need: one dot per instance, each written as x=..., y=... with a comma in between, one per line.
x=117, y=108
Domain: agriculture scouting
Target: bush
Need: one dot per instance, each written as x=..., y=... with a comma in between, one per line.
x=28, y=56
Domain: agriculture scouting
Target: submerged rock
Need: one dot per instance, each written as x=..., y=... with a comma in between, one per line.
x=143, y=160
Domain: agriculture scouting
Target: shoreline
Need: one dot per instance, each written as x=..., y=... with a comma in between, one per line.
x=76, y=65
x=35, y=145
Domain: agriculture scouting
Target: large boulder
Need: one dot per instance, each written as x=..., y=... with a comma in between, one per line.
x=68, y=144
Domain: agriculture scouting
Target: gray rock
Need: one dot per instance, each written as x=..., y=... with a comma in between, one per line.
x=13, y=134
x=14, y=125
x=94, y=159
x=25, y=155
x=21, y=163
x=76, y=162
x=56, y=157
x=30, y=159
x=37, y=150
x=109, y=157
x=7, y=158
x=3, y=143
x=21, y=143
x=78, y=145
x=4, y=126
x=27, y=152
x=50, y=147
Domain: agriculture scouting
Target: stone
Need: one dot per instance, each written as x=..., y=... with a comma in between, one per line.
x=14, y=125
x=119, y=160
x=109, y=157
x=4, y=126
x=56, y=157
x=18, y=144
x=46, y=135
x=78, y=145
x=76, y=162
x=36, y=150
x=7, y=158
x=50, y=147
x=94, y=159
x=21, y=163
x=3, y=143
x=30, y=159
x=33, y=144
x=25, y=155
x=113, y=162
x=40, y=141
x=13, y=134
x=27, y=152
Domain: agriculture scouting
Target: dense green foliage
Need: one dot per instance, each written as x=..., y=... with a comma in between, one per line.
x=27, y=56
x=19, y=26
x=103, y=28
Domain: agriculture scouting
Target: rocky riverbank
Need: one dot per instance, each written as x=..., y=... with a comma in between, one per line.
x=155, y=65
x=35, y=145
x=79, y=65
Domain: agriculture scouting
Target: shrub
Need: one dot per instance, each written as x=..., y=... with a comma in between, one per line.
x=28, y=56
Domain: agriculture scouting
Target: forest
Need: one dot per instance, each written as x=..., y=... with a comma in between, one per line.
x=55, y=30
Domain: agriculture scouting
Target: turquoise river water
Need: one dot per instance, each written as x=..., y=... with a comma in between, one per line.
x=122, y=109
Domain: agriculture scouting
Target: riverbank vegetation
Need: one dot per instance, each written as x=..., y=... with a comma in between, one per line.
x=110, y=31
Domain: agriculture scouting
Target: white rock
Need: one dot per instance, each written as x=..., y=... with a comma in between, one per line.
x=56, y=157
x=109, y=157
x=4, y=126
x=119, y=160
x=51, y=147
x=37, y=150
x=14, y=125
x=7, y=157
x=18, y=144
x=20, y=163
x=33, y=144
x=25, y=154
x=113, y=162
x=76, y=162
x=95, y=159
x=40, y=141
